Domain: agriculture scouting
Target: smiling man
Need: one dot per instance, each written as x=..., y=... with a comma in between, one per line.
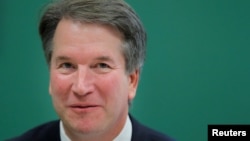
x=89, y=85
x=95, y=50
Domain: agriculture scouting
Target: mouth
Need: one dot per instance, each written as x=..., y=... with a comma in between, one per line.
x=83, y=108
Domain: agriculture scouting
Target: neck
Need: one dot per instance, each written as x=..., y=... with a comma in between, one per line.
x=105, y=135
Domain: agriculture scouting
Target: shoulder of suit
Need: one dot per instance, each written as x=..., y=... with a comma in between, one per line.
x=146, y=133
x=45, y=131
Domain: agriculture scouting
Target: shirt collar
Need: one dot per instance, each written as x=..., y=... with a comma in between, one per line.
x=124, y=135
x=63, y=135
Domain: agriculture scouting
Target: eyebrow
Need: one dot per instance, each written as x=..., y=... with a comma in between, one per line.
x=100, y=58
x=61, y=58
x=104, y=58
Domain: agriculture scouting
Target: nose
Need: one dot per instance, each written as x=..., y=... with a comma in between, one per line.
x=82, y=84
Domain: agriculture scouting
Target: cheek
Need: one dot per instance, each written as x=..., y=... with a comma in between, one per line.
x=58, y=86
x=114, y=87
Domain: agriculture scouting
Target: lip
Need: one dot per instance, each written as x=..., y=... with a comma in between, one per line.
x=79, y=108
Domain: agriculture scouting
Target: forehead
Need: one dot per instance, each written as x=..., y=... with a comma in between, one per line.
x=74, y=35
x=78, y=28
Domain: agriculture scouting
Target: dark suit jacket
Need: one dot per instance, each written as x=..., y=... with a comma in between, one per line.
x=50, y=132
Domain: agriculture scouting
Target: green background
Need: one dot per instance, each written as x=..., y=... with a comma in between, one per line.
x=197, y=70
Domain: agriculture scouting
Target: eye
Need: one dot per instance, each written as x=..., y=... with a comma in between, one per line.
x=102, y=65
x=66, y=65
x=101, y=68
x=66, y=68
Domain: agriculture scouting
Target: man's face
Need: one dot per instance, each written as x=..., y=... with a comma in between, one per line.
x=88, y=82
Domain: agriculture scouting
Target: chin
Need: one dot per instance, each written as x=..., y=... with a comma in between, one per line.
x=86, y=124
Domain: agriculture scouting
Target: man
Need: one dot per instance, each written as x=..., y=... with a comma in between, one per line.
x=95, y=50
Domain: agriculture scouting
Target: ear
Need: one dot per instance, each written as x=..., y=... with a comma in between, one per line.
x=133, y=84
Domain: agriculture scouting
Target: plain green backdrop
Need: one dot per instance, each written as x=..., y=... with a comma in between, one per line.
x=197, y=70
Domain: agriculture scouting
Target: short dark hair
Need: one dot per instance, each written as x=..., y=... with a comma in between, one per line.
x=115, y=13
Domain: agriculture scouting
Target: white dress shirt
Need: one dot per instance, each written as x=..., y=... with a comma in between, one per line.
x=124, y=135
